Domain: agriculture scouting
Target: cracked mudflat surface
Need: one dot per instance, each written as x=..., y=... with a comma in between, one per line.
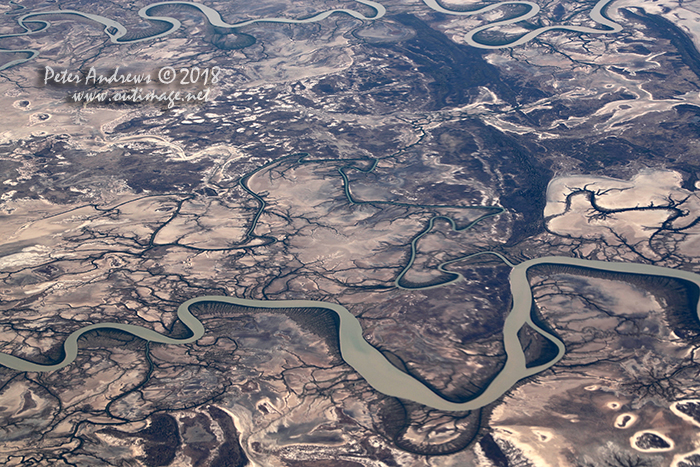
x=395, y=234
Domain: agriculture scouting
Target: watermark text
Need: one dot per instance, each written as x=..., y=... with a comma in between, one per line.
x=166, y=75
x=137, y=95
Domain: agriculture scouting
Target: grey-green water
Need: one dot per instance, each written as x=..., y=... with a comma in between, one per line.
x=596, y=14
x=117, y=31
x=368, y=361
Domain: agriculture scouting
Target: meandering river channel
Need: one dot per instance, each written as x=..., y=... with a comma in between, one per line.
x=32, y=24
x=596, y=14
x=368, y=361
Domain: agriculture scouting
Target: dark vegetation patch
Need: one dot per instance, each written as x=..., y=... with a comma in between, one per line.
x=110, y=338
x=322, y=322
x=229, y=40
x=394, y=418
x=651, y=441
x=667, y=30
x=455, y=71
x=145, y=169
x=602, y=156
x=230, y=453
x=634, y=49
x=161, y=439
x=680, y=296
x=537, y=348
x=8, y=169
x=492, y=451
x=524, y=185
x=691, y=409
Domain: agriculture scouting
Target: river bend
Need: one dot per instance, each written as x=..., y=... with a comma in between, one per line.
x=367, y=360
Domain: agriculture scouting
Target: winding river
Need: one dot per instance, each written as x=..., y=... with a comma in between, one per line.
x=358, y=353
x=596, y=15
x=367, y=360
x=117, y=31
